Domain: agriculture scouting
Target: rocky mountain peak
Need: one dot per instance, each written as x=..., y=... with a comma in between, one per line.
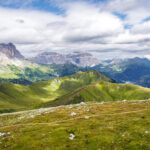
x=10, y=51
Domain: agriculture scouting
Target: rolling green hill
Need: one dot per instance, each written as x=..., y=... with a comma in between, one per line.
x=89, y=126
x=83, y=86
x=15, y=97
x=102, y=91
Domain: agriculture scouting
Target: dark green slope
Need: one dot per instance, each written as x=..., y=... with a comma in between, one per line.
x=145, y=81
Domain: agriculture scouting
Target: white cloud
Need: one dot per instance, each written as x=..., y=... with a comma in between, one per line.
x=147, y=56
x=135, y=10
x=83, y=27
x=142, y=28
x=40, y=30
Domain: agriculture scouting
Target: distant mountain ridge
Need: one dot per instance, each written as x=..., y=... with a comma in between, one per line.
x=134, y=70
x=48, y=65
x=49, y=58
x=81, y=59
x=15, y=68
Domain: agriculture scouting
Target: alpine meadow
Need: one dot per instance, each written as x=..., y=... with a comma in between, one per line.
x=74, y=75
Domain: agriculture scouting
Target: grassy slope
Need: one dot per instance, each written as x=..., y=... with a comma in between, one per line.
x=83, y=86
x=17, y=97
x=110, y=126
x=28, y=72
x=102, y=91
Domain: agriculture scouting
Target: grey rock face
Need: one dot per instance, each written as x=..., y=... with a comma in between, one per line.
x=82, y=59
x=49, y=58
x=77, y=58
x=10, y=51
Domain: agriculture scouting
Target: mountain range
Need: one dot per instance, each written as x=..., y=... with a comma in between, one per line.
x=77, y=58
x=15, y=68
x=134, y=70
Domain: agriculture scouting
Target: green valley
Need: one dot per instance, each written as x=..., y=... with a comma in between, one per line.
x=31, y=72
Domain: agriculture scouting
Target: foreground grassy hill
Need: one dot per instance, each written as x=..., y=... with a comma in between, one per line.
x=90, y=126
x=15, y=97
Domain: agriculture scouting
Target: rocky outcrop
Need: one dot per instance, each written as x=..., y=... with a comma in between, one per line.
x=10, y=51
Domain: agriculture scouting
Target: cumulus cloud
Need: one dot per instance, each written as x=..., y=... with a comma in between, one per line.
x=83, y=26
x=142, y=28
x=135, y=10
x=147, y=56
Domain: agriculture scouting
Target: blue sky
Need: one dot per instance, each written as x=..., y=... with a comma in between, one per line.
x=43, y=5
x=108, y=28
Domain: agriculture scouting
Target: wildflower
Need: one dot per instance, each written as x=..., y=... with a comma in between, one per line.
x=2, y=134
x=82, y=103
x=147, y=132
x=86, y=117
x=72, y=136
x=124, y=100
x=32, y=116
x=88, y=110
x=20, y=118
x=73, y=114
